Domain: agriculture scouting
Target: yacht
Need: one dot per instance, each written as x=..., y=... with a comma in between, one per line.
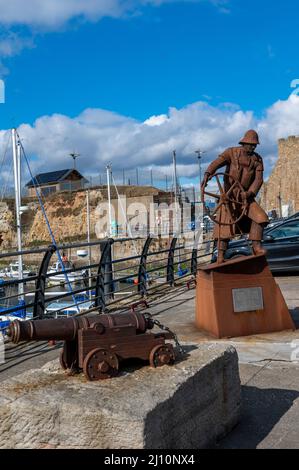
x=67, y=308
x=57, y=276
x=12, y=271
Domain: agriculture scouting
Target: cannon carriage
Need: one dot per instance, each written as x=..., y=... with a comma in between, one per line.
x=97, y=345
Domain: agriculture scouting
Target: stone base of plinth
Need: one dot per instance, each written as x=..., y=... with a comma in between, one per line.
x=187, y=406
x=240, y=298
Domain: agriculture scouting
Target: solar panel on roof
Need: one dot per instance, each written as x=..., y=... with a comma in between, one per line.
x=46, y=178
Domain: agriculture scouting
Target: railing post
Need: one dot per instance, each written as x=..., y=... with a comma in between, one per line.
x=142, y=275
x=109, y=284
x=194, y=262
x=104, y=283
x=39, y=300
x=170, y=263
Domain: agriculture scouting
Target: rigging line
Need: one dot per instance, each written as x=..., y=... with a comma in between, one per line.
x=5, y=187
x=70, y=289
x=5, y=151
x=2, y=165
x=42, y=196
x=124, y=215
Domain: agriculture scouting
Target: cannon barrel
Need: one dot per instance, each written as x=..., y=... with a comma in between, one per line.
x=66, y=329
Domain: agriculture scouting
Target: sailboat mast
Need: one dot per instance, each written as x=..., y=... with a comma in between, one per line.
x=17, y=183
x=108, y=168
x=88, y=240
x=175, y=191
x=19, y=173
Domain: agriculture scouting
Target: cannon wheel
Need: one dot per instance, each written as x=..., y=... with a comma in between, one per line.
x=227, y=200
x=100, y=364
x=161, y=355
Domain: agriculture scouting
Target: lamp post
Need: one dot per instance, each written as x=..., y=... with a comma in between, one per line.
x=74, y=157
x=200, y=154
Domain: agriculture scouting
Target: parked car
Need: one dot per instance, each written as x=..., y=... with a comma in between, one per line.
x=281, y=243
x=276, y=221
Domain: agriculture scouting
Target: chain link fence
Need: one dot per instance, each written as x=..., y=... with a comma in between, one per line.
x=135, y=177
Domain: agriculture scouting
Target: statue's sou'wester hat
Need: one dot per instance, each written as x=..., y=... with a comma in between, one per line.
x=251, y=137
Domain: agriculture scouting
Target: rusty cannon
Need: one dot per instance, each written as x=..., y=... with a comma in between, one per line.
x=97, y=345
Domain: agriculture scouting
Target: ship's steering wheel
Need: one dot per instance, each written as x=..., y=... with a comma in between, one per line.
x=234, y=198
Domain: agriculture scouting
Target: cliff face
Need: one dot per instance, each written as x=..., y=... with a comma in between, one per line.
x=7, y=223
x=284, y=180
x=67, y=214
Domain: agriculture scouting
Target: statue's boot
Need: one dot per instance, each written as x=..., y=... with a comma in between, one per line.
x=256, y=235
x=258, y=249
x=221, y=251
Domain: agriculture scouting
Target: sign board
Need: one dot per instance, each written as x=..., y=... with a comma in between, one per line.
x=248, y=300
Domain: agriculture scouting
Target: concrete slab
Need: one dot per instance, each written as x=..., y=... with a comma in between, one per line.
x=188, y=406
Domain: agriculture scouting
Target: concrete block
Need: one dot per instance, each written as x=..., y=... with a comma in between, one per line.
x=187, y=406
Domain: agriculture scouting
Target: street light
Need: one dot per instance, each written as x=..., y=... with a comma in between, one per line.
x=74, y=157
x=200, y=154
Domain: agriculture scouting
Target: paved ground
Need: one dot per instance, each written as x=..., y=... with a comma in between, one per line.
x=270, y=379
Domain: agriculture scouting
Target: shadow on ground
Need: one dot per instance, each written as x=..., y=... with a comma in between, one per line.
x=262, y=409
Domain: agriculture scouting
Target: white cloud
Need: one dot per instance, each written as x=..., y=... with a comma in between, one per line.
x=156, y=120
x=54, y=13
x=50, y=15
x=101, y=136
x=12, y=44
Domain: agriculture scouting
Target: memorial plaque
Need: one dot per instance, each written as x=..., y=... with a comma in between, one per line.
x=248, y=300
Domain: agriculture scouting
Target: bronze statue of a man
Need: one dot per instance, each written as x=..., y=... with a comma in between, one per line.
x=242, y=164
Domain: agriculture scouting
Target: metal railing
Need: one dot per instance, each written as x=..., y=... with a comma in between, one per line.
x=108, y=281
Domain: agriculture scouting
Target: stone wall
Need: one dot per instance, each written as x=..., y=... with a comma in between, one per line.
x=284, y=179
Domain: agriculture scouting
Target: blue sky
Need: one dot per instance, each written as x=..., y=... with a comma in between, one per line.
x=145, y=60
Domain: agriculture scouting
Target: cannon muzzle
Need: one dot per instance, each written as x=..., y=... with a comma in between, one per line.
x=37, y=330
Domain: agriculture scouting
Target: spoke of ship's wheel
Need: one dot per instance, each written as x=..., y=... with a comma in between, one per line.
x=219, y=184
x=240, y=230
x=218, y=207
x=240, y=186
x=229, y=214
x=216, y=196
x=231, y=189
x=235, y=202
